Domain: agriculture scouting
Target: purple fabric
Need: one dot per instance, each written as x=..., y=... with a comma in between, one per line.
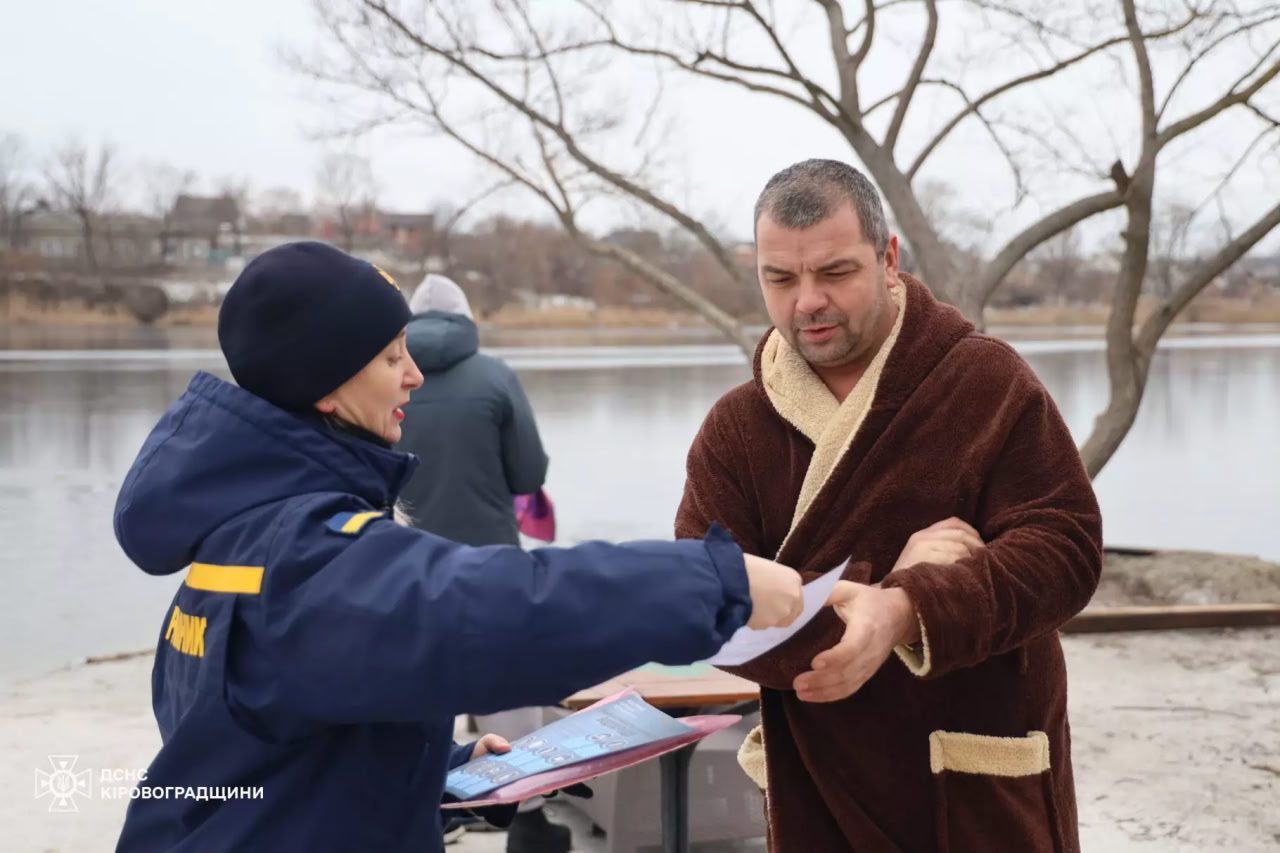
x=536, y=516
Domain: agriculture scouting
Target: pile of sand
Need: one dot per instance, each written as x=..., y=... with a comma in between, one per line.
x=1186, y=577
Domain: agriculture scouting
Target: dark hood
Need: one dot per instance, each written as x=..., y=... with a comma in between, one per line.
x=438, y=340
x=219, y=451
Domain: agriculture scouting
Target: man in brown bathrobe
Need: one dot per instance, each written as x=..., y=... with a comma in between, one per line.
x=876, y=412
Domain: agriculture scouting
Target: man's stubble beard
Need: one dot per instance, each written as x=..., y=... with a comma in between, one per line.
x=840, y=349
x=845, y=347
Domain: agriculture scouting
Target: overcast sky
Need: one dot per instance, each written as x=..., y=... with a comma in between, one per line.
x=199, y=84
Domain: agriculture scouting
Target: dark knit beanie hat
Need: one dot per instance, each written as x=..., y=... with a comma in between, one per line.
x=303, y=318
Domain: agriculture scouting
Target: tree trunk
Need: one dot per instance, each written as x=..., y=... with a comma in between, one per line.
x=86, y=236
x=1127, y=363
x=936, y=265
x=672, y=286
x=1111, y=427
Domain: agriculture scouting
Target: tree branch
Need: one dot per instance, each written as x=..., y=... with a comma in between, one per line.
x=846, y=67
x=717, y=4
x=549, y=165
x=1034, y=22
x=694, y=67
x=1236, y=166
x=1020, y=188
x=1060, y=157
x=1209, y=48
x=614, y=41
x=466, y=207
x=601, y=17
x=514, y=175
x=1230, y=99
x=887, y=99
x=700, y=231
x=869, y=17
x=1147, y=96
x=913, y=80
x=995, y=270
x=567, y=219
x=1204, y=273
x=1031, y=78
x=546, y=62
x=669, y=284
x=821, y=102
x=1256, y=110
x=815, y=91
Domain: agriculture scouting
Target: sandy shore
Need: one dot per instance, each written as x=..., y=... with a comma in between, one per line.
x=1177, y=745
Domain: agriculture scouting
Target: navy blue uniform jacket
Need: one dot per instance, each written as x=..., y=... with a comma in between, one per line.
x=319, y=651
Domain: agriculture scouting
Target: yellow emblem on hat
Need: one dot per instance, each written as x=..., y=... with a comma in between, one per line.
x=384, y=274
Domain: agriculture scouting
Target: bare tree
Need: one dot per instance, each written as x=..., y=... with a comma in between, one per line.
x=163, y=183
x=1129, y=351
x=83, y=184
x=346, y=187
x=490, y=77
x=16, y=192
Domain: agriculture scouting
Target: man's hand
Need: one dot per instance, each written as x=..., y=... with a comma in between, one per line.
x=944, y=542
x=490, y=745
x=876, y=620
x=777, y=596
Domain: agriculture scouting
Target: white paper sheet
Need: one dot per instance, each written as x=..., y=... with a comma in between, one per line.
x=748, y=643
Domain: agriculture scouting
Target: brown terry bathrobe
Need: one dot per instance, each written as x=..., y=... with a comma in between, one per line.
x=961, y=744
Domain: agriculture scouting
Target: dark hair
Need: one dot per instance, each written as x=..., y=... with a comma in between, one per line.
x=807, y=192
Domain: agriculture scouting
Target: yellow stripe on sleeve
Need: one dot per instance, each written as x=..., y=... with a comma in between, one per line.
x=359, y=520
x=238, y=579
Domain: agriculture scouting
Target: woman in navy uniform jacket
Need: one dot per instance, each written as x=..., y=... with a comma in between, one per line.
x=310, y=667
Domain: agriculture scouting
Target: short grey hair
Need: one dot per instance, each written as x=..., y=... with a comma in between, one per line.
x=804, y=194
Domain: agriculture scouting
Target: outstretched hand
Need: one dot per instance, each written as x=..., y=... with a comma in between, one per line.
x=876, y=620
x=777, y=593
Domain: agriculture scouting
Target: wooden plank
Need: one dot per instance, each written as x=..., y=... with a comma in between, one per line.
x=696, y=686
x=1173, y=618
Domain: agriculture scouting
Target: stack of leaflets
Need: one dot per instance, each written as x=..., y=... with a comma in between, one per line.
x=612, y=734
